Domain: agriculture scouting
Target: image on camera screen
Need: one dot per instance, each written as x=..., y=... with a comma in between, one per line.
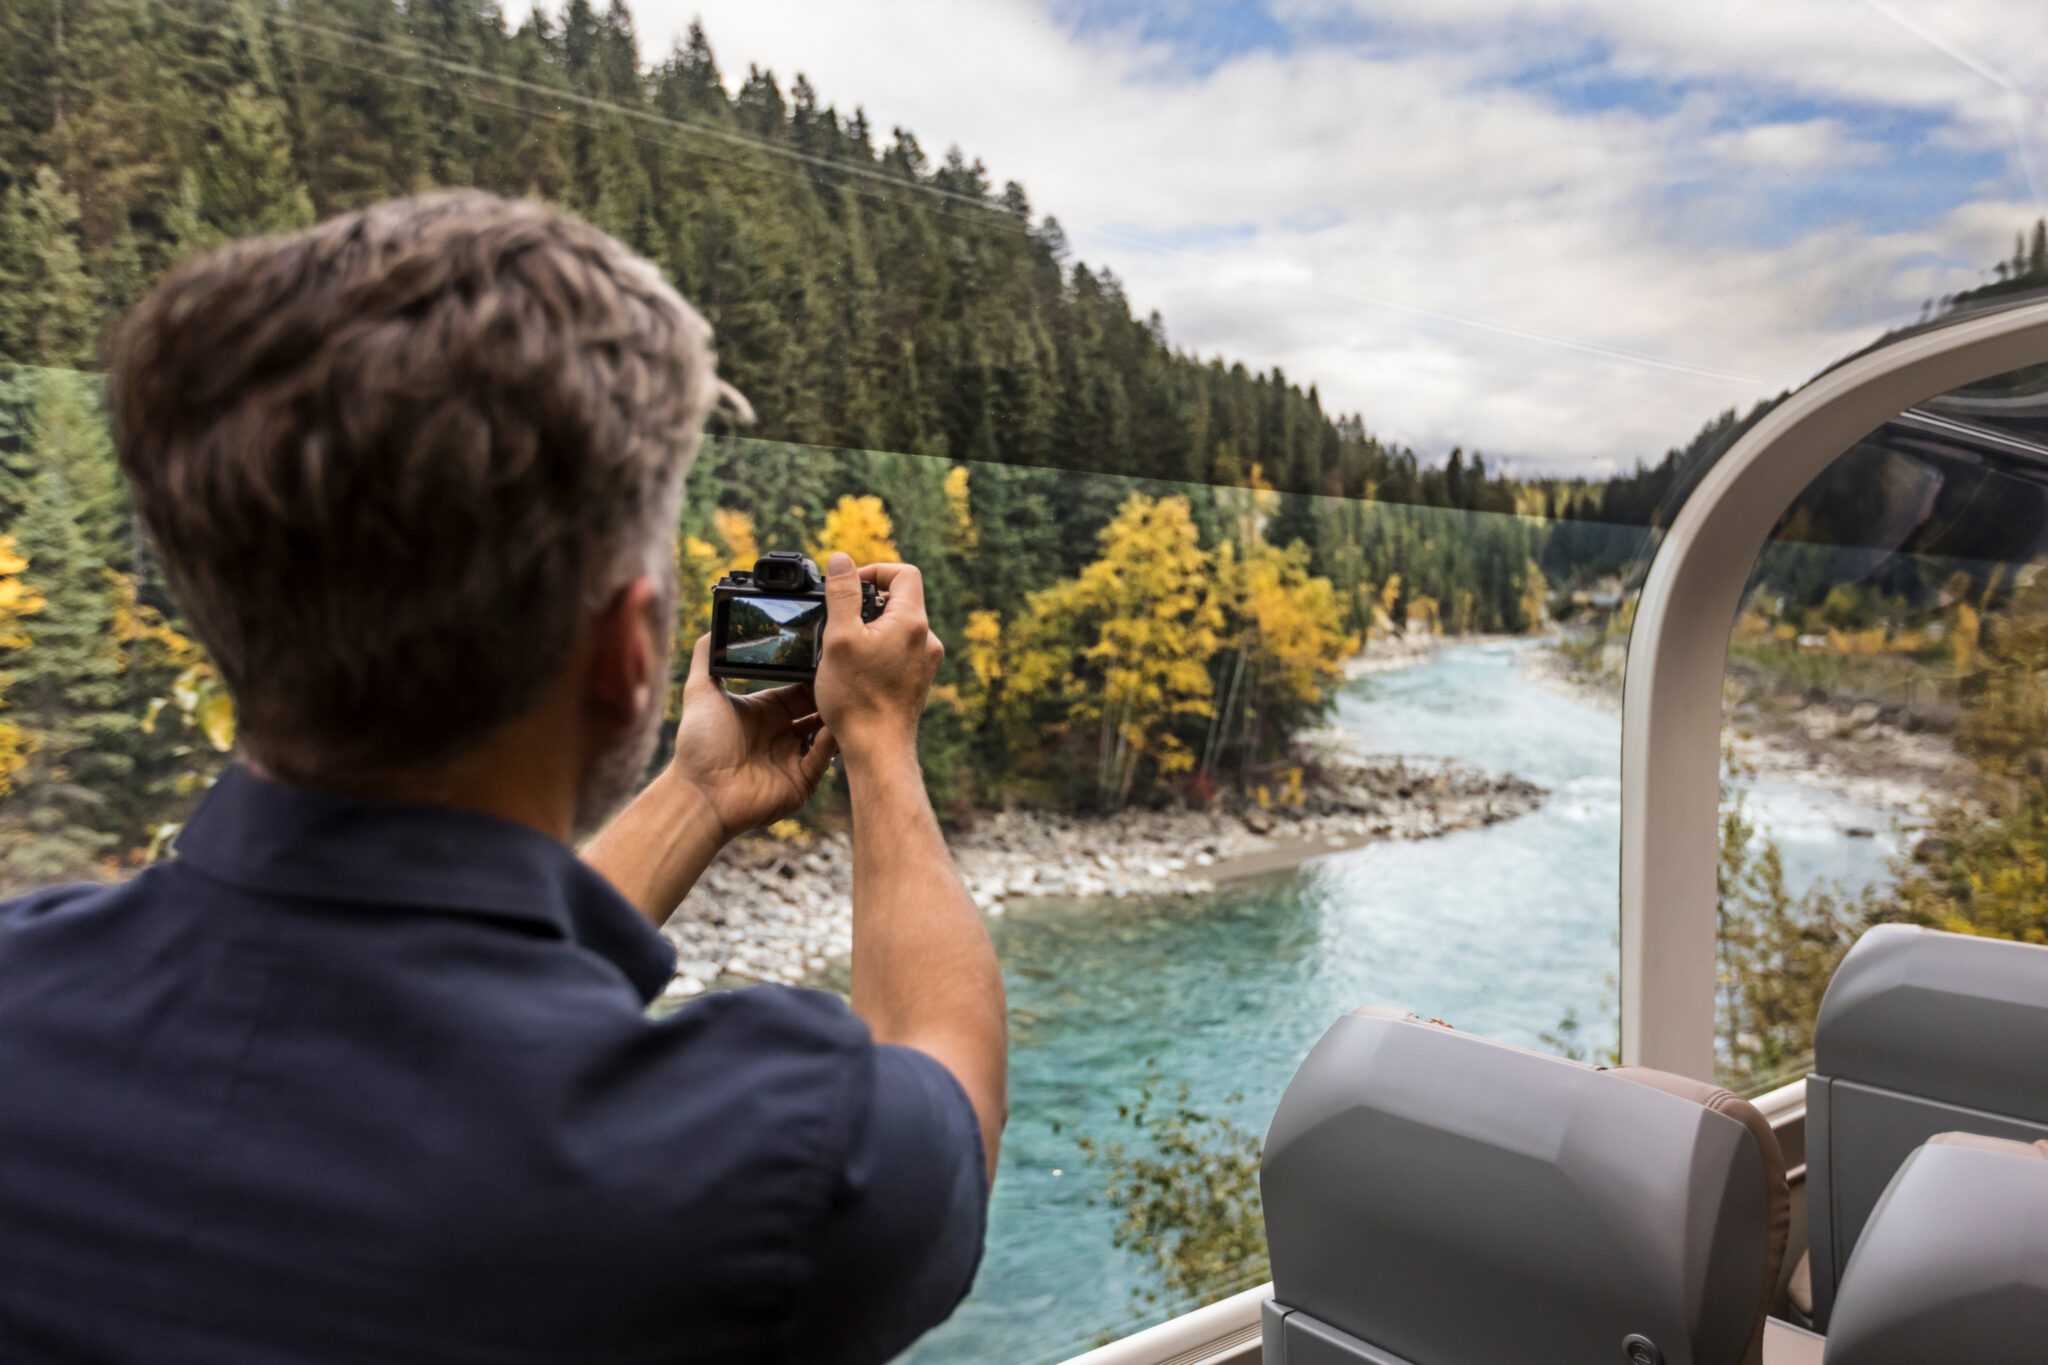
x=773, y=632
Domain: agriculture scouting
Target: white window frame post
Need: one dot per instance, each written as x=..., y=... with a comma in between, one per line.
x=1678, y=654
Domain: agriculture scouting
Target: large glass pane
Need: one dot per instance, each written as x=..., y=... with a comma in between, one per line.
x=1265, y=697
x=1886, y=730
x=1359, y=769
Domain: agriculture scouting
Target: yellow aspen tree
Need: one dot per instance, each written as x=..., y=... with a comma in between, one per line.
x=144, y=640
x=859, y=527
x=1383, y=614
x=736, y=532
x=1422, y=611
x=1126, y=646
x=17, y=599
x=1292, y=624
x=962, y=535
x=701, y=562
x=1535, y=597
x=1963, y=629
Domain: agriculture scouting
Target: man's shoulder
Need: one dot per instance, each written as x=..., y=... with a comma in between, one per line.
x=797, y=1061
x=95, y=910
x=770, y=1017
x=30, y=905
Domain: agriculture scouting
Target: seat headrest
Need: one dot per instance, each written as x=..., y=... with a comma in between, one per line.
x=1948, y=1017
x=1445, y=1198
x=1953, y=1264
x=1779, y=1194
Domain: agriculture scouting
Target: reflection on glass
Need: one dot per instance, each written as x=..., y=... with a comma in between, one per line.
x=1887, y=722
x=1214, y=789
x=1248, y=715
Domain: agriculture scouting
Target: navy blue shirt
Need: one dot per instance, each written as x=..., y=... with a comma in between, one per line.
x=354, y=1081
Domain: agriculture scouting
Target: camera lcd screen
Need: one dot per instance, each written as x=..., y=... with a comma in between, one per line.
x=770, y=632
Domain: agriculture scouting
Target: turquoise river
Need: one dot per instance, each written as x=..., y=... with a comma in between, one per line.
x=1497, y=930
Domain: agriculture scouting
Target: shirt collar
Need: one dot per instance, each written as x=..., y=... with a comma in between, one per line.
x=296, y=841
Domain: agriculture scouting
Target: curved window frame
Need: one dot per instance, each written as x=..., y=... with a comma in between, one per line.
x=1678, y=655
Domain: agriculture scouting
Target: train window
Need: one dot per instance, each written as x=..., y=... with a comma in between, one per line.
x=1284, y=467
x=1886, y=728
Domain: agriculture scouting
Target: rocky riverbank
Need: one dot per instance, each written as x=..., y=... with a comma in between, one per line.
x=1875, y=751
x=781, y=910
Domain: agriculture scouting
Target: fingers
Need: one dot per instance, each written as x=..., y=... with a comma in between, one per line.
x=842, y=595
x=906, y=590
x=792, y=702
x=882, y=575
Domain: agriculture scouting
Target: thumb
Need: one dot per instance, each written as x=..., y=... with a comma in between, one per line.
x=700, y=680
x=842, y=594
x=818, y=758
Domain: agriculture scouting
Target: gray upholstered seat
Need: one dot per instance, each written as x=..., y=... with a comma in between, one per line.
x=1953, y=1262
x=1434, y=1198
x=1919, y=1033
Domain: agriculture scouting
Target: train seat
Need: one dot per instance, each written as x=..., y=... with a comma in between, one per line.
x=1953, y=1261
x=1920, y=1033
x=1435, y=1198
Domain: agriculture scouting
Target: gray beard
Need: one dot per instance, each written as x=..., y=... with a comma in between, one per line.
x=619, y=771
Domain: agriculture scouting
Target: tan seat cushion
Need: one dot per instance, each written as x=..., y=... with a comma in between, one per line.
x=1777, y=1194
x=1982, y=1143
x=1800, y=1289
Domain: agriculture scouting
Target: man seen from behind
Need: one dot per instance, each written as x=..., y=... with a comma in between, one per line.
x=364, y=1072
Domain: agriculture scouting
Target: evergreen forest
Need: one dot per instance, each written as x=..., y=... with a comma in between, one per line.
x=1148, y=565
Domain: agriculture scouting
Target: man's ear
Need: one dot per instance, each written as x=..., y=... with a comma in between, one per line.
x=626, y=663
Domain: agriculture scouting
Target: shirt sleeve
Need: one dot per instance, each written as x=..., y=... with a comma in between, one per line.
x=902, y=1236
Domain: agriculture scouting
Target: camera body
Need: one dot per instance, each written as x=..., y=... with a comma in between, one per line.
x=768, y=622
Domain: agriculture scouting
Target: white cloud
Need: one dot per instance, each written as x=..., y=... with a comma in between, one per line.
x=1818, y=144
x=1458, y=256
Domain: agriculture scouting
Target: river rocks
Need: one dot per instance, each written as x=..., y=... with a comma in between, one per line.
x=771, y=910
x=1882, y=752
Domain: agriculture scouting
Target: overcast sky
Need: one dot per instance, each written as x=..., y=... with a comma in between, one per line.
x=1564, y=232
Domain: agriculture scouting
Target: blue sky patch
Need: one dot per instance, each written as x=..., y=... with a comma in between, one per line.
x=1205, y=36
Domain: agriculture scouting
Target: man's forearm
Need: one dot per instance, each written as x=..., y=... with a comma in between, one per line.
x=654, y=850
x=924, y=972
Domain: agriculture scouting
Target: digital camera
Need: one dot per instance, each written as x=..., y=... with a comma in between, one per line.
x=768, y=623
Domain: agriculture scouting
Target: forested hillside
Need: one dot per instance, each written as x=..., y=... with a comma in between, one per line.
x=935, y=376
x=1142, y=592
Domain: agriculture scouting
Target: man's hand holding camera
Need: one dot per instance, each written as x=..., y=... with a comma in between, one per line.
x=746, y=760
x=874, y=675
x=924, y=974
x=757, y=758
x=752, y=759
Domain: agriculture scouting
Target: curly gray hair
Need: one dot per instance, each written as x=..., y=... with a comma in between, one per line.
x=393, y=464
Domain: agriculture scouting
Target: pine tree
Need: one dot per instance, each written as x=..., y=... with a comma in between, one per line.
x=625, y=193
x=49, y=305
x=535, y=153
x=689, y=82
x=115, y=150
x=28, y=81
x=66, y=696
x=248, y=185
x=451, y=35
x=68, y=436
x=356, y=81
